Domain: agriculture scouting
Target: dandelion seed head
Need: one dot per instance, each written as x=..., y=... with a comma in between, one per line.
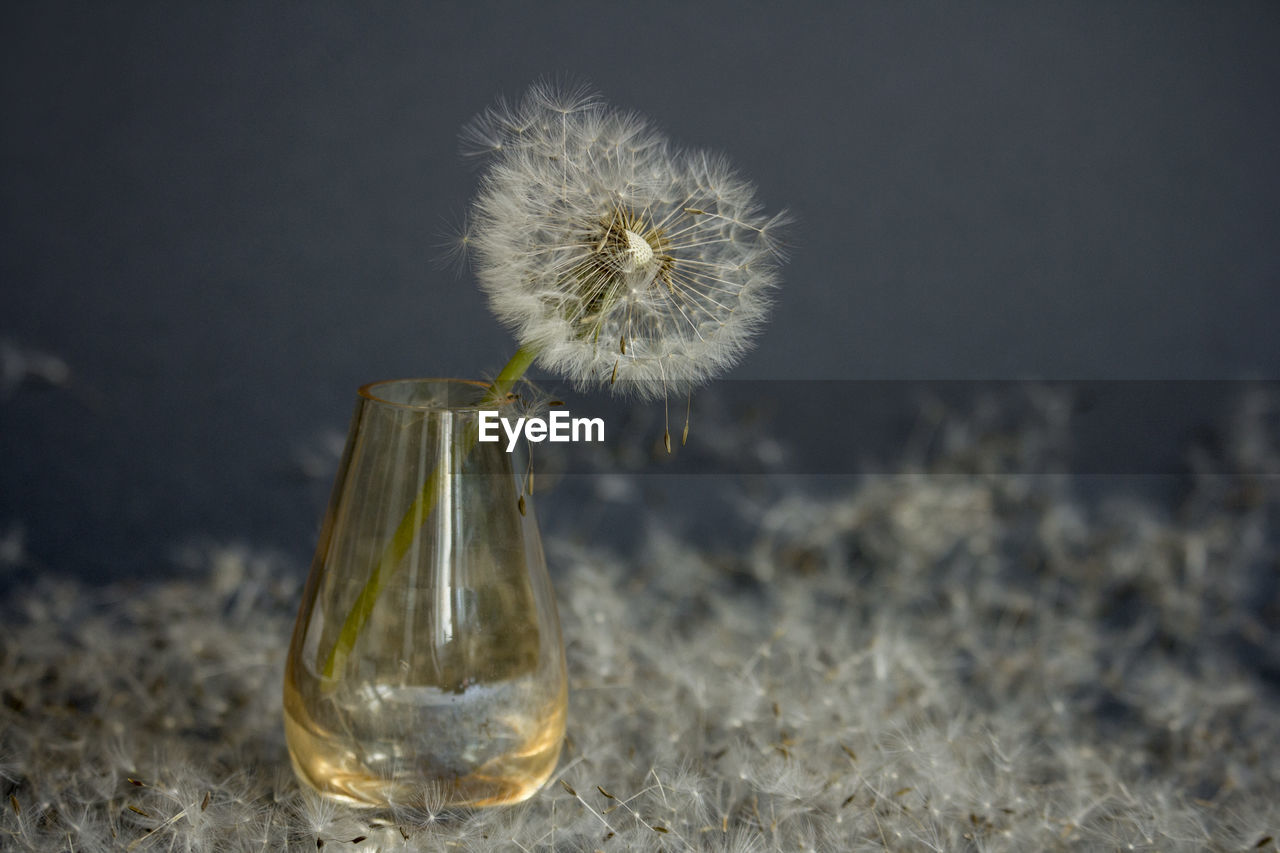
x=619, y=259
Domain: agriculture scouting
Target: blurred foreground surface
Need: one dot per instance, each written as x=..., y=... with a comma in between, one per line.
x=958, y=655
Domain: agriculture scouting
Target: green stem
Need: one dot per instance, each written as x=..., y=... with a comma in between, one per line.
x=511, y=374
x=415, y=516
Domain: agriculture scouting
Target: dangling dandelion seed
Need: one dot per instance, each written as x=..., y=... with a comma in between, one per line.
x=615, y=258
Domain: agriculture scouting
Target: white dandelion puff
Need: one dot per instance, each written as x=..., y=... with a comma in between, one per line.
x=614, y=257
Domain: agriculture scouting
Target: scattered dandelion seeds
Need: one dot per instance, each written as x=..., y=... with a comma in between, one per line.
x=660, y=828
x=137, y=810
x=520, y=505
x=666, y=440
x=569, y=788
x=942, y=565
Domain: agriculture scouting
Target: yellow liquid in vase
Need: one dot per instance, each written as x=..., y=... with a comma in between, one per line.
x=487, y=745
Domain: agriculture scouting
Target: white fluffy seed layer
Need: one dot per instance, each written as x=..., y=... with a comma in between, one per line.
x=934, y=661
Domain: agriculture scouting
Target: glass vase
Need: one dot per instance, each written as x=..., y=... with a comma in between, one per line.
x=426, y=661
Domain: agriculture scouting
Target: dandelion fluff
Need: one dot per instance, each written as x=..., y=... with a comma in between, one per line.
x=616, y=258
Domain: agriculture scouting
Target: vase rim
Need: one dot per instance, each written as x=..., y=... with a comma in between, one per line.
x=471, y=388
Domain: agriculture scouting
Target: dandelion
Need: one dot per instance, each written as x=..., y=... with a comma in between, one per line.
x=615, y=258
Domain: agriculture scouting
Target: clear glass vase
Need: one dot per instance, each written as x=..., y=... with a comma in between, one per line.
x=426, y=662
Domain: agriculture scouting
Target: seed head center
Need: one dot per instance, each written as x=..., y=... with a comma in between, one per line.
x=639, y=252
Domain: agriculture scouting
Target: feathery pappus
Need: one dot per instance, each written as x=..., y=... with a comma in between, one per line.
x=616, y=258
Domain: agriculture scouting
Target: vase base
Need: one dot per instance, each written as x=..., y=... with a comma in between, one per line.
x=368, y=773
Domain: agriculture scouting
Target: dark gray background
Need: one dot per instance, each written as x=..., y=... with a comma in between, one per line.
x=224, y=217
